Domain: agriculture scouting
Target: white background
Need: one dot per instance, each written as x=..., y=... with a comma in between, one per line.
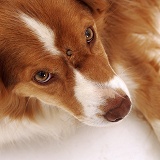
x=132, y=139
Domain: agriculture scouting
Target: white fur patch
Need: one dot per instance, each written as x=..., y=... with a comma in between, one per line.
x=128, y=77
x=151, y=40
x=151, y=43
x=42, y=31
x=92, y=95
x=54, y=123
x=87, y=93
x=156, y=127
x=117, y=83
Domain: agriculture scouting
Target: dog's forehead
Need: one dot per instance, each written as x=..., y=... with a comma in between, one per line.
x=56, y=25
x=56, y=14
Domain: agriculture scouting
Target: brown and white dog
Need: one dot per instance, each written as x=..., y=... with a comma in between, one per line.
x=56, y=58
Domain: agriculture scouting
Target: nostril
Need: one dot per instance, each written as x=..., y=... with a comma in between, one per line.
x=120, y=107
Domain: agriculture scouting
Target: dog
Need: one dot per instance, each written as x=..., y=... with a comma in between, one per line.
x=65, y=62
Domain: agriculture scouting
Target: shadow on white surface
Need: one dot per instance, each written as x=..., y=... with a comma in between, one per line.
x=132, y=139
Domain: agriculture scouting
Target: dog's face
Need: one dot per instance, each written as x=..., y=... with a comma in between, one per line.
x=51, y=50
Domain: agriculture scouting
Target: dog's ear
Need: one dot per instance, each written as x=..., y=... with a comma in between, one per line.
x=4, y=96
x=96, y=6
x=3, y=91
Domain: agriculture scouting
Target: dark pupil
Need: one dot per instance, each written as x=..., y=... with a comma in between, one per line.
x=42, y=74
x=88, y=33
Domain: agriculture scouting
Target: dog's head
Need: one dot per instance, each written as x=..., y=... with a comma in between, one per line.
x=51, y=51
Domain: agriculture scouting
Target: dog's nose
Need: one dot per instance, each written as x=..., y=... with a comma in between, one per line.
x=119, y=108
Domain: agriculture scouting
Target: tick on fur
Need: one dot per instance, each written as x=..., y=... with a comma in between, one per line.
x=69, y=52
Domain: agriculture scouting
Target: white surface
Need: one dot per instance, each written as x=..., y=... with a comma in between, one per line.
x=132, y=139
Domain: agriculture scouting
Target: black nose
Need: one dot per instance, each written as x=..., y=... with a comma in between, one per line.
x=119, y=108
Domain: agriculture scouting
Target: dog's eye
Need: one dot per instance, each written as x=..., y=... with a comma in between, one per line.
x=42, y=77
x=89, y=35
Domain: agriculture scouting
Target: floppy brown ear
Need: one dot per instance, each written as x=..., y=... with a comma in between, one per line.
x=3, y=90
x=96, y=6
x=5, y=95
x=4, y=98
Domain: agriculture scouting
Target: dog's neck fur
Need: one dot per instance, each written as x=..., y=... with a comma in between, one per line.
x=53, y=123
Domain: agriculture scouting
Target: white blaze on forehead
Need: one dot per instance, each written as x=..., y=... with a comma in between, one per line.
x=42, y=31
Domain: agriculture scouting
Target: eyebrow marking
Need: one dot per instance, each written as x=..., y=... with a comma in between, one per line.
x=43, y=32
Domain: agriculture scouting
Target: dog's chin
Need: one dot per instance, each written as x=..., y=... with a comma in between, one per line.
x=98, y=121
